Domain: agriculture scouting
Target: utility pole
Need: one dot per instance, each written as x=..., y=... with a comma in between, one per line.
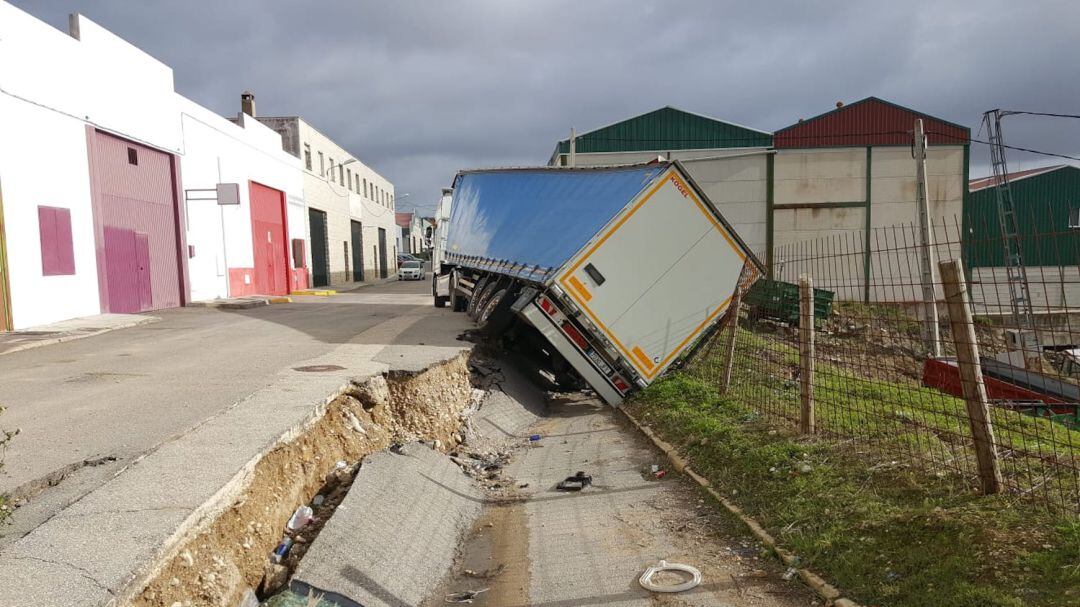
x=573, y=147
x=927, y=263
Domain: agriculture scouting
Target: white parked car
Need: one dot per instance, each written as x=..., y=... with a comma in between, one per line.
x=411, y=270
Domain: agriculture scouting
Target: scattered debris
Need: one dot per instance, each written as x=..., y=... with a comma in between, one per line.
x=646, y=578
x=300, y=518
x=464, y=597
x=533, y=438
x=318, y=500
x=282, y=550
x=485, y=574
x=790, y=574
x=575, y=483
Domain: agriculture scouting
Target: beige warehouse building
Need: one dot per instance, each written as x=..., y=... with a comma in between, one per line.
x=841, y=174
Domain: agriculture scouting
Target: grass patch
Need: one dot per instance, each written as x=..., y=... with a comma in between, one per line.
x=885, y=534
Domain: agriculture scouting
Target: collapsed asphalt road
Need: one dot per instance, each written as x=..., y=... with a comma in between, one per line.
x=485, y=523
x=172, y=415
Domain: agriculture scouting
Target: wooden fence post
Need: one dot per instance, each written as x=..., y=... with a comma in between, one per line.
x=806, y=354
x=729, y=344
x=971, y=377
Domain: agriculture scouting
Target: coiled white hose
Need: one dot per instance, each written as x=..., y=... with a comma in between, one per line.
x=646, y=578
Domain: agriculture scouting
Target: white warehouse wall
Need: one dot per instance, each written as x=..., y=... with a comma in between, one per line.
x=216, y=150
x=98, y=80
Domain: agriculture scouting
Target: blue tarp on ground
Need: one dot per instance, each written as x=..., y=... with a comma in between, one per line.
x=537, y=218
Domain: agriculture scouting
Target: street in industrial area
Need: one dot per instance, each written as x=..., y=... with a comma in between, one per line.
x=559, y=304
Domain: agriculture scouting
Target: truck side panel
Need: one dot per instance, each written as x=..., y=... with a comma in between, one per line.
x=658, y=274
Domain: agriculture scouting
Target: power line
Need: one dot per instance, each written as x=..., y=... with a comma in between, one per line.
x=1011, y=147
x=1052, y=115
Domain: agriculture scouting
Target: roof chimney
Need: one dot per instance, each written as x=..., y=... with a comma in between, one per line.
x=247, y=103
x=839, y=104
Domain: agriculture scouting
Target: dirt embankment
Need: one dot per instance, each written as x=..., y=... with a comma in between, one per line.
x=229, y=553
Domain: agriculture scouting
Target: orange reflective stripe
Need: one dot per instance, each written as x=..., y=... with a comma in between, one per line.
x=580, y=288
x=644, y=358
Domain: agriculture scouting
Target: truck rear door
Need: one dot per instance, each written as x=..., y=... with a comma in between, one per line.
x=657, y=275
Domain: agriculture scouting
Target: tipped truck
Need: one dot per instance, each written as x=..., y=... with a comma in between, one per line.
x=612, y=272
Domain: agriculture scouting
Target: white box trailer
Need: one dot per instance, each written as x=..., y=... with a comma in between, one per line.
x=619, y=269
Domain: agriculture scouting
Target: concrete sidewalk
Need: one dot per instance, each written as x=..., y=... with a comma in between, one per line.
x=68, y=330
x=554, y=548
x=182, y=406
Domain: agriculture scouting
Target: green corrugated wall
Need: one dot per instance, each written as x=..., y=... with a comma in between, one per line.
x=1042, y=203
x=667, y=129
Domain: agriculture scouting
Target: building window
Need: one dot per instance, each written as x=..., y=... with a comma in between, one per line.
x=57, y=254
x=329, y=175
x=349, y=173
x=307, y=156
x=322, y=165
x=365, y=188
x=133, y=156
x=341, y=174
x=1074, y=218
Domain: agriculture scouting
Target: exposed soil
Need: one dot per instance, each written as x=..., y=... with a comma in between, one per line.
x=231, y=551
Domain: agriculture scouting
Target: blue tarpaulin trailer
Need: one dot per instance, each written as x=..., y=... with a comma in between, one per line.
x=619, y=269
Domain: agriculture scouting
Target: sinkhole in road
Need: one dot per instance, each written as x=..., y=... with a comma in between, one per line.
x=227, y=553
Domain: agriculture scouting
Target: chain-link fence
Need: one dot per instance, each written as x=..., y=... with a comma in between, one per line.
x=986, y=395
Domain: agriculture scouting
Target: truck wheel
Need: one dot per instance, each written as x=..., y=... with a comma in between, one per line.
x=496, y=314
x=565, y=377
x=481, y=301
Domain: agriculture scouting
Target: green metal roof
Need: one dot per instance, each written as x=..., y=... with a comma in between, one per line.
x=666, y=129
x=1043, y=202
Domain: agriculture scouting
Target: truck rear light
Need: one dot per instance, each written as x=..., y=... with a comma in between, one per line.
x=620, y=384
x=547, y=306
x=575, y=335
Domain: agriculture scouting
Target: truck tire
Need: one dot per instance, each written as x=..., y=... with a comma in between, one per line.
x=440, y=302
x=474, y=297
x=496, y=315
x=483, y=295
x=565, y=377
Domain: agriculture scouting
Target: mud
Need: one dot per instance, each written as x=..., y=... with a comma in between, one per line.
x=228, y=553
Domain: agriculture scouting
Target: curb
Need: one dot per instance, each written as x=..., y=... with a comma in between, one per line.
x=825, y=590
x=74, y=336
x=315, y=292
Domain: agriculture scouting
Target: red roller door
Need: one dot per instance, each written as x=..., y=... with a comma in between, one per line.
x=268, y=237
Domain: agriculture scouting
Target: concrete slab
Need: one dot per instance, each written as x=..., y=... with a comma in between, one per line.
x=395, y=534
x=588, y=548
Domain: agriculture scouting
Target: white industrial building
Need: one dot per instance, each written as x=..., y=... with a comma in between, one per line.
x=119, y=195
x=351, y=225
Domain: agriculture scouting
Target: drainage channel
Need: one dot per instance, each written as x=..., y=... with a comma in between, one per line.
x=228, y=559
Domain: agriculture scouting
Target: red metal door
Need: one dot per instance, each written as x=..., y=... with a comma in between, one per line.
x=268, y=240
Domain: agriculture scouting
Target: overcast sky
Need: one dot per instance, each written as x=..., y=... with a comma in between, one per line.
x=419, y=90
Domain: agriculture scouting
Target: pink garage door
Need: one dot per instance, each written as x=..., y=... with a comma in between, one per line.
x=268, y=240
x=135, y=215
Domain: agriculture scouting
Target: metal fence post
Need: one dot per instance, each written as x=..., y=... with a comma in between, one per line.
x=729, y=344
x=971, y=377
x=806, y=355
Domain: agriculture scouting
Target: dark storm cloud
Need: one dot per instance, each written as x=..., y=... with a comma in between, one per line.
x=421, y=89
